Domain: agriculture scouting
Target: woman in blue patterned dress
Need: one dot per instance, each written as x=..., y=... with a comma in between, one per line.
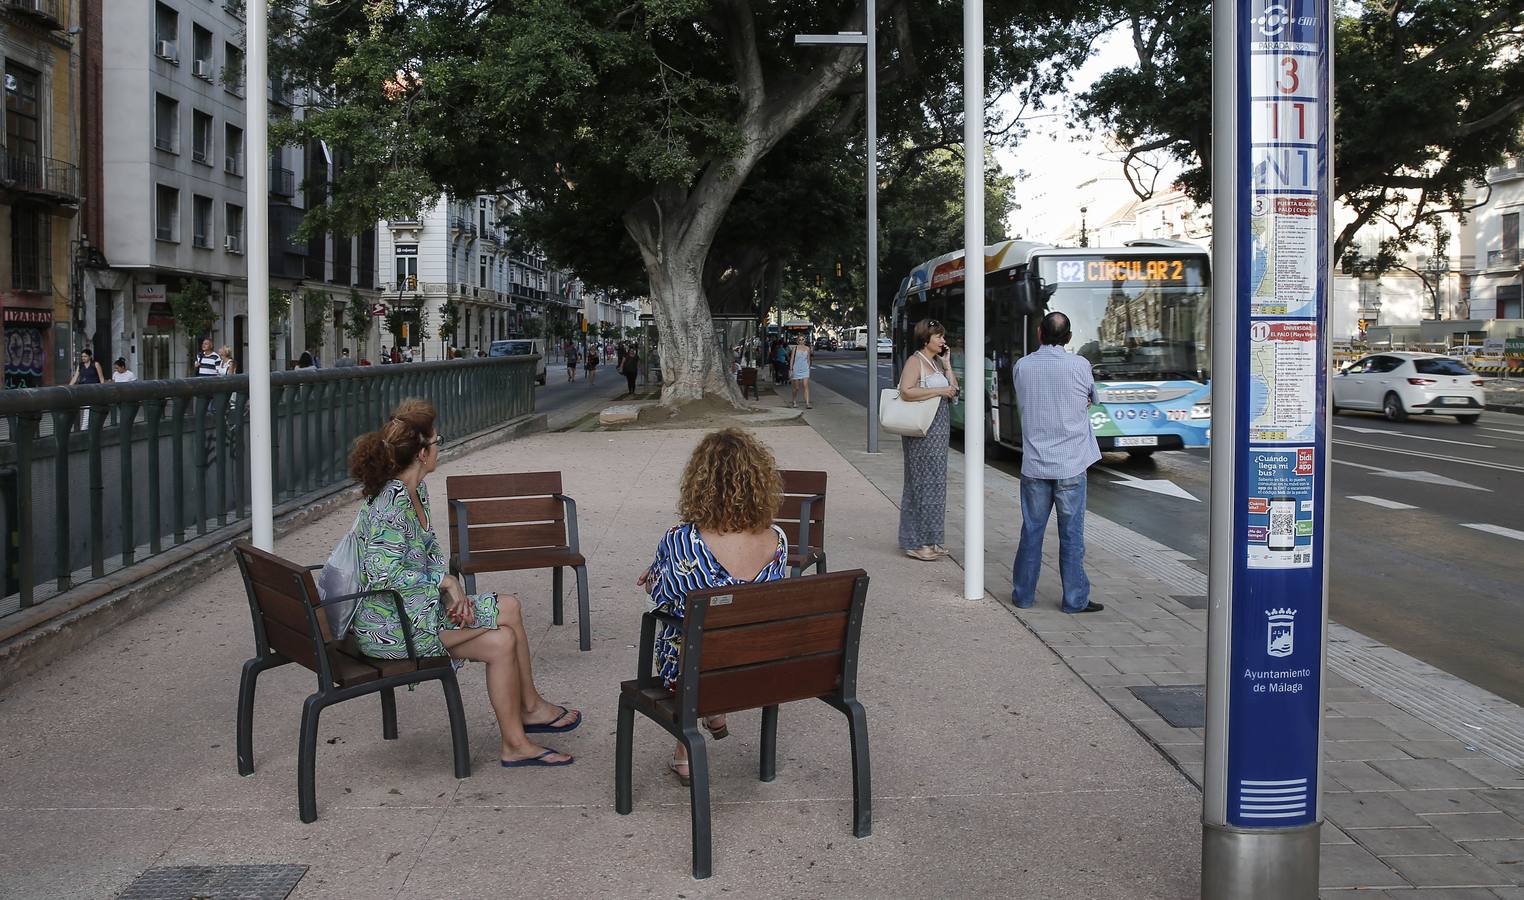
x=398, y=551
x=727, y=499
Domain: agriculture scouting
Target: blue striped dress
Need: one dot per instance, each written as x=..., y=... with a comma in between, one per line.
x=685, y=563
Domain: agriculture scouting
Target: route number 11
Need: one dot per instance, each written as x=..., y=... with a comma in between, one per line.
x=1296, y=121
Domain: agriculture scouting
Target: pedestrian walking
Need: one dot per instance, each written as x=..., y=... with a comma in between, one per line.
x=629, y=366
x=225, y=363
x=799, y=371
x=592, y=365
x=345, y=360
x=571, y=365
x=120, y=374
x=927, y=374
x=780, y=361
x=207, y=360
x=305, y=361
x=87, y=372
x=1054, y=390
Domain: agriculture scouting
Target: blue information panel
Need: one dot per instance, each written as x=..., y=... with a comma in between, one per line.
x=1276, y=640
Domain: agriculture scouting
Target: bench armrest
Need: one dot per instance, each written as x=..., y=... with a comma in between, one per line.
x=806, y=508
x=571, y=522
x=646, y=651
x=396, y=598
x=462, y=534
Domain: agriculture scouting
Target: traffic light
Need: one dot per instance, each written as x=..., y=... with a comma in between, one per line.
x=412, y=282
x=838, y=268
x=1363, y=325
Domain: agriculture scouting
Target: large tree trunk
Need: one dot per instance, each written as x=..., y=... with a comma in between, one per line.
x=692, y=365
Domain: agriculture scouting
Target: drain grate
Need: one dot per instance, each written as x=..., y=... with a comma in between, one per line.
x=1181, y=705
x=273, y=882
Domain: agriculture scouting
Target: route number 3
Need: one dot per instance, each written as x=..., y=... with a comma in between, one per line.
x=1287, y=80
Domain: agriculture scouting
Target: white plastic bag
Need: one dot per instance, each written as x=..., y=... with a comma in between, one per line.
x=341, y=576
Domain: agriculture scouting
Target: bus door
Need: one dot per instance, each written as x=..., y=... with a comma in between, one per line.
x=1006, y=331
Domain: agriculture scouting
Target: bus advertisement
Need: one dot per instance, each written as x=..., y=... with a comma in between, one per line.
x=1140, y=316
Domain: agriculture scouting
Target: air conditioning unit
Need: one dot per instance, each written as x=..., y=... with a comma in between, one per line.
x=164, y=144
x=166, y=50
x=201, y=157
x=231, y=165
x=231, y=244
x=202, y=68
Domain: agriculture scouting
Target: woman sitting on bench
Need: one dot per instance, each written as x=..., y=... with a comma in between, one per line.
x=398, y=551
x=728, y=495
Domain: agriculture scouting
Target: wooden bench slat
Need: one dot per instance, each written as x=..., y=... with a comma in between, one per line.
x=517, y=484
x=350, y=668
x=516, y=560
x=526, y=509
x=487, y=538
x=745, y=645
x=766, y=684
x=795, y=597
x=803, y=481
x=294, y=645
x=793, y=506
x=289, y=612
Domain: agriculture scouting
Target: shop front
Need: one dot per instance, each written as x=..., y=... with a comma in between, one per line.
x=28, y=346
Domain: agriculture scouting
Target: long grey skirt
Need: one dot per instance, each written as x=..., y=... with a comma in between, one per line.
x=923, y=504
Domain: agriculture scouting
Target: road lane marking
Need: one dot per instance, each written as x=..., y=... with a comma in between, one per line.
x=1424, y=477
x=1382, y=502
x=1152, y=485
x=1501, y=430
x=1416, y=437
x=1501, y=467
x=1495, y=529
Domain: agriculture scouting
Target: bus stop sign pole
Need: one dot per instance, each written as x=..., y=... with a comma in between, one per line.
x=1272, y=141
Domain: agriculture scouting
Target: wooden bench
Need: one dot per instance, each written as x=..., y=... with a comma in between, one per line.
x=291, y=626
x=508, y=523
x=747, y=380
x=801, y=515
x=746, y=647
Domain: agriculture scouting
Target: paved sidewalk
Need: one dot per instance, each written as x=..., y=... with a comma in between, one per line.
x=997, y=772
x=1412, y=811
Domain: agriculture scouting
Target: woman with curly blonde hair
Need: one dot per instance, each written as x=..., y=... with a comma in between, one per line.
x=727, y=499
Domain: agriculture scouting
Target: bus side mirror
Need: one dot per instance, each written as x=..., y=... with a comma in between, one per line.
x=1029, y=305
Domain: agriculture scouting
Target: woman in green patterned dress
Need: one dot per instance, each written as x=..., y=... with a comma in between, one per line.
x=398, y=551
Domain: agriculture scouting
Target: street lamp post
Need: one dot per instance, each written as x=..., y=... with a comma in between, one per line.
x=870, y=74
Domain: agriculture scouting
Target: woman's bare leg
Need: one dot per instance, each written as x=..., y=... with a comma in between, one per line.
x=537, y=710
x=499, y=649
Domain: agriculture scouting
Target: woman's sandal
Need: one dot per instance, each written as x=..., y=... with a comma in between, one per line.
x=720, y=733
x=679, y=767
x=536, y=761
x=552, y=728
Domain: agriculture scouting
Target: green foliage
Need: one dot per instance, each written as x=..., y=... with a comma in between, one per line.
x=357, y=318
x=280, y=305
x=449, y=321
x=533, y=328
x=192, y=308
x=1427, y=99
x=316, y=305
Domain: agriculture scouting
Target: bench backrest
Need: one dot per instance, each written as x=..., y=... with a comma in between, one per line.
x=747, y=377
x=798, y=486
x=757, y=645
x=284, y=600
x=508, y=512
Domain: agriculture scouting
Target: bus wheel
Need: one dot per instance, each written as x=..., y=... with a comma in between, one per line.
x=1140, y=452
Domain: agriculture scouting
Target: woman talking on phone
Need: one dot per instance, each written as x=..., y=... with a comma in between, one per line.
x=927, y=375
x=399, y=552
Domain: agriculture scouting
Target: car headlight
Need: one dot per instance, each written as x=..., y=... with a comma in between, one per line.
x=1202, y=410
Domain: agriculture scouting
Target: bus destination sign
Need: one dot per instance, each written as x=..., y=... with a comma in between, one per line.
x=1125, y=270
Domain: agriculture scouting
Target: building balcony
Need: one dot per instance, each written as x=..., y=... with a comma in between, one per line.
x=1503, y=258
x=463, y=225
x=48, y=14
x=282, y=182
x=1512, y=168
x=39, y=176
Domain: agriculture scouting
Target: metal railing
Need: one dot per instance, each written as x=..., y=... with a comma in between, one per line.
x=47, y=12
x=39, y=175
x=1508, y=257
x=132, y=470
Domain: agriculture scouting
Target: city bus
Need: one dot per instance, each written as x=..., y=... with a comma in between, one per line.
x=1140, y=314
x=856, y=338
x=797, y=327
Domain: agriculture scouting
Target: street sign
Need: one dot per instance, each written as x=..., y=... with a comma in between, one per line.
x=378, y=309
x=1272, y=257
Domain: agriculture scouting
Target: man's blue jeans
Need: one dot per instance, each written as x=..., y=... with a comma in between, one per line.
x=1038, y=497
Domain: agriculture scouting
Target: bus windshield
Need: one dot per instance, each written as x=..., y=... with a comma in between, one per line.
x=1134, y=318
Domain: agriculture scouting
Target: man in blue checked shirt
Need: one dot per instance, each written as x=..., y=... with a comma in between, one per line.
x=1054, y=390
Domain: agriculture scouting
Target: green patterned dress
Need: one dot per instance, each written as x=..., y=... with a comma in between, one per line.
x=400, y=553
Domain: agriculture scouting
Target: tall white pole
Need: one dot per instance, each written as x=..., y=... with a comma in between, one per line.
x=257, y=253
x=870, y=73
x=973, y=299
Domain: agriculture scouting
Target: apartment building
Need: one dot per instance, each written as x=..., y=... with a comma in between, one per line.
x=174, y=198
x=459, y=254
x=39, y=189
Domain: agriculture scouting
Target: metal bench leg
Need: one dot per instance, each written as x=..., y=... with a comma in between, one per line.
x=388, y=714
x=306, y=759
x=862, y=778
x=556, y=580
x=793, y=571
x=624, y=751
x=246, y=685
x=820, y=565
x=769, y=769
x=458, y=738
x=698, y=798
x=584, y=619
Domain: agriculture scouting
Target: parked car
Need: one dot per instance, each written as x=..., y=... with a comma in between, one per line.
x=522, y=347
x=885, y=347
x=1399, y=384
x=825, y=343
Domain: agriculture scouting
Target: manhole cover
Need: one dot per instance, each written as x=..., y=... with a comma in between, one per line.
x=1181, y=705
x=1194, y=601
x=215, y=883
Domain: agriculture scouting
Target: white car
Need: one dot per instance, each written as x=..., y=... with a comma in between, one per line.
x=1399, y=384
x=885, y=347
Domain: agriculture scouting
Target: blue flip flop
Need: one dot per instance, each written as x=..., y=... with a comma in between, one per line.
x=534, y=761
x=547, y=728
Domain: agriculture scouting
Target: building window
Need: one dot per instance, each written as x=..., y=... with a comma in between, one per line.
x=233, y=242
x=1509, y=300
x=201, y=137
x=30, y=256
x=201, y=221
x=201, y=50
x=166, y=123
x=232, y=69
x=167, y=213
x=22, y=134
x=407, y=266
x=232, y=145
x=1511, y=233
x=482, y=271
x=481, y=213
x=166, y=33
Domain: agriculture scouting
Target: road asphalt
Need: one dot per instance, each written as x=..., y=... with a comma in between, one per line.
x=1427, y=531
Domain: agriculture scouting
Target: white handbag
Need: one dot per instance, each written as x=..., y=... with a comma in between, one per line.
x=340, y=577
x=911, y=418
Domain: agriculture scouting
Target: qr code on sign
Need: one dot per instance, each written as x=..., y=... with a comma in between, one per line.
x=1282, y=521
